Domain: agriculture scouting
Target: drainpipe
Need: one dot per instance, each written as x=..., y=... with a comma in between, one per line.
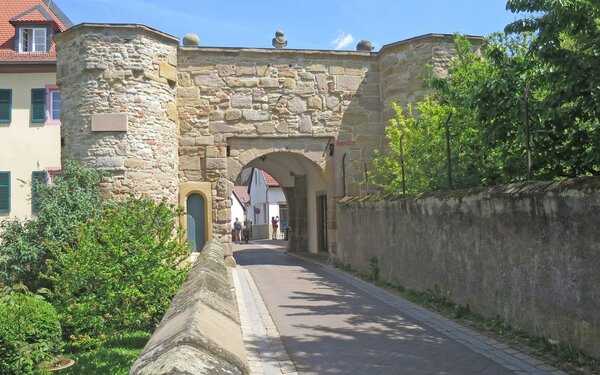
x=267, y=212
x=344, y=171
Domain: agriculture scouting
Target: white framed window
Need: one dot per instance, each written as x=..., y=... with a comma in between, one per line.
x=54, y=105
x=32, y=39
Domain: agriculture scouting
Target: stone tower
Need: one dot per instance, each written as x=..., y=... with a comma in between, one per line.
x=119, y=115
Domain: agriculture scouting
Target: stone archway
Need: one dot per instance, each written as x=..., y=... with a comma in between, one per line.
x=300, y=167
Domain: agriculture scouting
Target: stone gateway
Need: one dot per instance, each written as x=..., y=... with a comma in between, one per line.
x=170, y=121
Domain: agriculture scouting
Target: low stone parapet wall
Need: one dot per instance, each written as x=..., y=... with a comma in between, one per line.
x=528, y=252
x=200, y=332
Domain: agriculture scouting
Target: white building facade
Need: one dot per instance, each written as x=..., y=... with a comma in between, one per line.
x=267, y=200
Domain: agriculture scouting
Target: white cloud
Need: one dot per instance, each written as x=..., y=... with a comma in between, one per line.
x=342, y=41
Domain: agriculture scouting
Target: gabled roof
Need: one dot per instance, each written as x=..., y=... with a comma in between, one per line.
x=15, y=12
x=33, y=14
x=241, y=193
x=270, y=181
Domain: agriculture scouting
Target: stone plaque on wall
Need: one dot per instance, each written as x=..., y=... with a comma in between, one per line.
x=109, y=122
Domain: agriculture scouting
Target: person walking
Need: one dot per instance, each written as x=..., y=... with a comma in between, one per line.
x=237, y=225
x=275, y=225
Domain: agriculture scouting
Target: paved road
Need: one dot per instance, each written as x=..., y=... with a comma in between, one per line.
x=332, y=323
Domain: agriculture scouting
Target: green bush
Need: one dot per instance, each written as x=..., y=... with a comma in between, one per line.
x=120, y=273
x=30, y=332
x=73, y=198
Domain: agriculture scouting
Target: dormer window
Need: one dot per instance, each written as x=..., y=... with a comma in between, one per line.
x=32, y=39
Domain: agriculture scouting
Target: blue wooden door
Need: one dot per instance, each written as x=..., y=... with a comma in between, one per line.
x=196, y=221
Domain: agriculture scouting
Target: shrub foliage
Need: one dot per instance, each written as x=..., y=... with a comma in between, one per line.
x=74, y=198
x=119, y=272
x=30, y=331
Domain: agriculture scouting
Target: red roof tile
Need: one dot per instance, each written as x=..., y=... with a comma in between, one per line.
x=241, y=192
x=270, y=181
x=17, y=11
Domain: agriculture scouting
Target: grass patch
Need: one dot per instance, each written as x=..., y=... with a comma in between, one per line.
x=560, y=355
x=114, y=357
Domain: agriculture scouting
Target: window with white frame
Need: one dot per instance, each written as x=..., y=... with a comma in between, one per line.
x=32, y=39
x=54, y=109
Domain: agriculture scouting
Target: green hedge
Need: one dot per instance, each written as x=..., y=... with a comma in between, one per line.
x=30, y=333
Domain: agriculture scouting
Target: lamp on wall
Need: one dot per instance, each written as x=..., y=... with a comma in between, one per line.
x=329, y=146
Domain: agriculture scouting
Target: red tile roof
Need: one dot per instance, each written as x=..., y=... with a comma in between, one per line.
x=270, y=181
x=241, y=192
x=14, y=12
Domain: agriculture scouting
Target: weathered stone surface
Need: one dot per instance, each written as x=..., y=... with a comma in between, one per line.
x=289, y=83
x=134, y=163
x=216, y=163
x=189, y=163
x=316, y=68
x=305, y=88
x=241, y=82
x=314, y=102
x=297, y=105
x=109, y=162
x=252, y=115
x=265, y=128
x=241, y=101
x=225, y=69
x=480, y=249
x=210, y=81
x=306, y=125
x=168, y=71
x=205, y=140
x=347, y=83
x=200, y=332
x=322, y=83
x=233, y=115
x=188, y=92
x=242, y=70
x=268, y=82
x=332, y=102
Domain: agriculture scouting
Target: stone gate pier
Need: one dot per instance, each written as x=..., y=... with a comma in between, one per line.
x=176, y=122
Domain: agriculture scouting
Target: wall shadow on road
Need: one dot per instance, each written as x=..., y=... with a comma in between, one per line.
x=330, y=327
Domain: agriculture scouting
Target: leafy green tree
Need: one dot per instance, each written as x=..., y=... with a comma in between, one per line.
x=119, y=272
x=419, y=143
x=72, y=199
x=567, y=42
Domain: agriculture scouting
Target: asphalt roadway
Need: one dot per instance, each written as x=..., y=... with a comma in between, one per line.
x=300, y=316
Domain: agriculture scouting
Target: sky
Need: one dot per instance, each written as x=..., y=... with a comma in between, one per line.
x=308, y=24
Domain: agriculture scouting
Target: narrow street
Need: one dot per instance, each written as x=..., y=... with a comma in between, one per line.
x=299, y=316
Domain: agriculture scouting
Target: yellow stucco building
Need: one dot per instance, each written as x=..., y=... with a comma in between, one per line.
x=30, y=102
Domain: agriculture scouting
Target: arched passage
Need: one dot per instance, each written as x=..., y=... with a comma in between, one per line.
x=300, y=171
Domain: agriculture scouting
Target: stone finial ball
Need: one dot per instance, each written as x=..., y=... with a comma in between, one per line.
x=280, y=41
x=191, y=39
x=364, y=45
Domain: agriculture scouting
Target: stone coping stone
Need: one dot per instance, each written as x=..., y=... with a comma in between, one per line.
x=200, y=332
x=517, y=189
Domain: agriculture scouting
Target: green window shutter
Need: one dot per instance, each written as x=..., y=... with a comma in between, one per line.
x=5, y=105
x=38, y=105
x=37, y=178
x=4, y=191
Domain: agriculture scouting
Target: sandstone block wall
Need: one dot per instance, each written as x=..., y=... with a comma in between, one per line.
x=200, y=332
x=250, y=101
x=197, y=114
x=527, y=252
x=127, y=70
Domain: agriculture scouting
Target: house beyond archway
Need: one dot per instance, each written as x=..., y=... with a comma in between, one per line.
x=303, y=184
